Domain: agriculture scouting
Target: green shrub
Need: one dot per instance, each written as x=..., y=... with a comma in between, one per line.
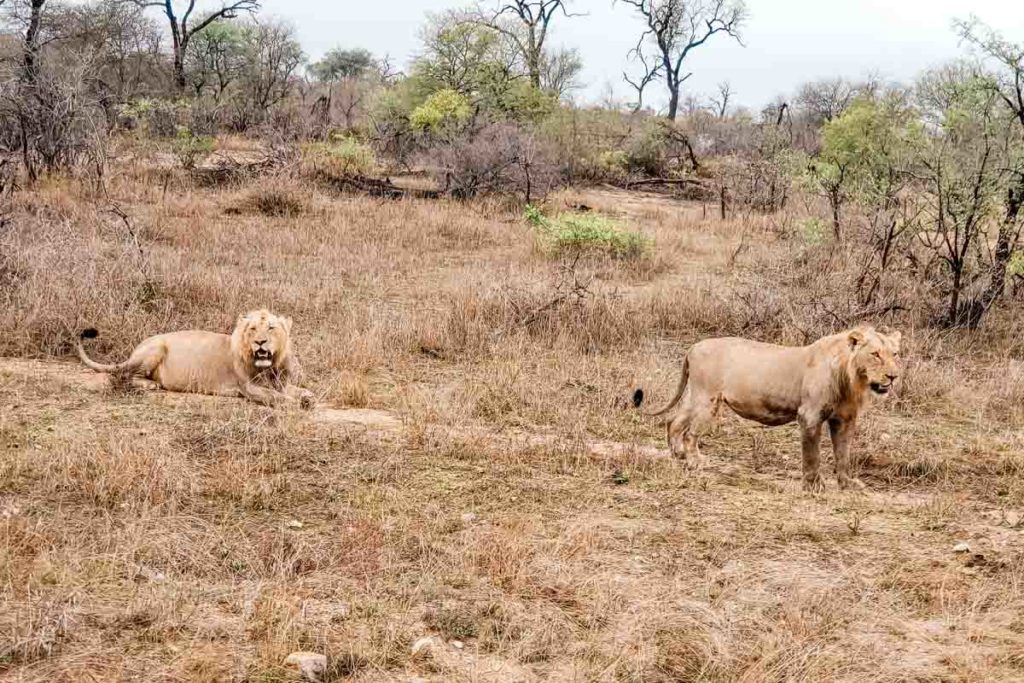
x=1016, y=265
x=813, y=231
x=342, y=156
x=589, y=232
x=613, y=163
x=190, y=148
x=646, y=150
x=444, y=110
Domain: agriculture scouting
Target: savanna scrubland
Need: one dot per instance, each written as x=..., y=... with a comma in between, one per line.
x=481, y=273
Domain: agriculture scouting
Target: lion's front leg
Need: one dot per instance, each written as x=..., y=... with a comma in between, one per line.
x=305, y=397
x=263, y=395
x=842, y=432
x=810, y=432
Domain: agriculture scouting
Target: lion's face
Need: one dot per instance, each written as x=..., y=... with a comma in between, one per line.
x=263, y=338
x=876, y=358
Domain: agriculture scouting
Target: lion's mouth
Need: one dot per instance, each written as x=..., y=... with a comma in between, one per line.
x=262, y=358
x=881, y=389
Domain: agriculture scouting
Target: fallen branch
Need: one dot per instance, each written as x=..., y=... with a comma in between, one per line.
x=374, y=187
x=667, y=181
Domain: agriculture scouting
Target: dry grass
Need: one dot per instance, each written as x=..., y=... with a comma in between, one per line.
x=147, y=536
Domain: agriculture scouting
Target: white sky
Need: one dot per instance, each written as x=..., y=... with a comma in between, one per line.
x=787, y=41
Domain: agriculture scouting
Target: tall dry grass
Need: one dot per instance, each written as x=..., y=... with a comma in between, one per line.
x=152, y=537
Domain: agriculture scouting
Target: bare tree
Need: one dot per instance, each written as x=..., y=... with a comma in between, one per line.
x=182, y=31
x=560, y=72
x=124, y=42
x=651, y=71
x=271, y=56
x=826, y=99
x=677, y=27
x=721, y=102
x=528, y=30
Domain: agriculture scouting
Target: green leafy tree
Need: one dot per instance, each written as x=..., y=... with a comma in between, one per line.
x=1007, y=60
x=185, y=26
x=215, y=58
x=346, y=71
x=339, y=64
x=966, y=168
x=866, y=154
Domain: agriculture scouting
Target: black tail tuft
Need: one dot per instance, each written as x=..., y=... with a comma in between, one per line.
x=638, y=398
x=89, y=333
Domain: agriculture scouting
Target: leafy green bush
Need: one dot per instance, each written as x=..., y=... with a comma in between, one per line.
x=444, y=110
x=813, y=231
x=613, y=163
x=190, y=147
x=1016, y=265
x=589, y=232
x=647, y=149
x=342, y=156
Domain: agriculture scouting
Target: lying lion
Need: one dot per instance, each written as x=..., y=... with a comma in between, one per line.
x=254, y=362
x=826, y=382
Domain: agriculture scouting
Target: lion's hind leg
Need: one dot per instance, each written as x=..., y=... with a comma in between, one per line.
x=138, y=371
x=686, y=428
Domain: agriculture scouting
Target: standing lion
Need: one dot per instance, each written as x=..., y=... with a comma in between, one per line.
x=828, y=381
x=253, y=362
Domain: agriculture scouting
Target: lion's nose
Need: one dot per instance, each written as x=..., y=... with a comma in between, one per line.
x=892, y=378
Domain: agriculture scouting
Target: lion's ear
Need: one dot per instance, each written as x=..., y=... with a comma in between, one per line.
x=856, y=337
x=288, y=324
x=895, y=337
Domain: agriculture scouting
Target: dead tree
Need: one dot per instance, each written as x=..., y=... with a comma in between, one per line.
x=650, y=73
x=529, y=30
x=182, y=31
x=721, y=103
x=677, y=27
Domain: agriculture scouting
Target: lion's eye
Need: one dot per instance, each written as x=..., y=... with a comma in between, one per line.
x=877, y=355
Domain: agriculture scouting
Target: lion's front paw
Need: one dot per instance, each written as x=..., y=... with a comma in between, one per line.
x=814, y=483
x=852, y=484
x=693, y=463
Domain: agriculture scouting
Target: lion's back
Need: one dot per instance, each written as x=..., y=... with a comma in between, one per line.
x=195, y=360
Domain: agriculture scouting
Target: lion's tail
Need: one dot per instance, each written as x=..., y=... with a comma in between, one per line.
x=683, y=379
x=91, y=333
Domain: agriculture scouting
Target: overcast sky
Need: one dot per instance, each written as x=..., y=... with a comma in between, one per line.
x=787, y=41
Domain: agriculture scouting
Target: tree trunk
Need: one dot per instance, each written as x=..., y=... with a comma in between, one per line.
x=533, y=58
x=179, y=41
x=954, y=298
x=179, y=69
x=1000, y=258
x=31, y=56
x=837, y=228
x=673, y=103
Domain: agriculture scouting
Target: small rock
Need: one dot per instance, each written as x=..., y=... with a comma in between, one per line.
x=294, y=524
x=457, y=644
x=961, y=548
x=144, y=573
x=422, y=645
x=311, y=665
x=468, y=517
